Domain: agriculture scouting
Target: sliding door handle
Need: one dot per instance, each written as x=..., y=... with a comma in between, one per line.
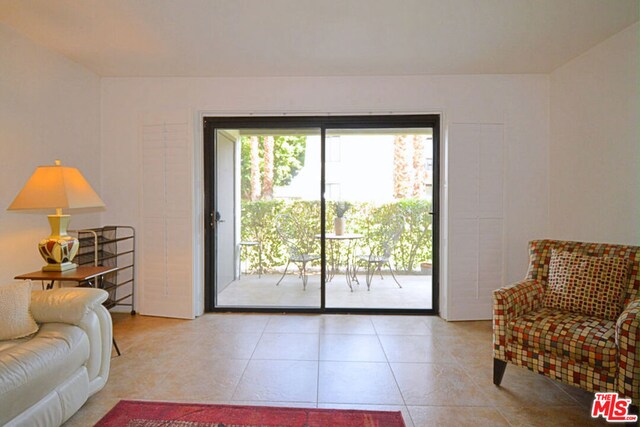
x=218, y=217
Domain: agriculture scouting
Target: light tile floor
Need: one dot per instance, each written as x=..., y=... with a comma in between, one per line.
x=435, y=372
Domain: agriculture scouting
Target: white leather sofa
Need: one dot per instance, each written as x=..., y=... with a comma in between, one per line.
x=47, y=377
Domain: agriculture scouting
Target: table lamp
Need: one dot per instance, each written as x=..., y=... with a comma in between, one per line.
x=57, y=187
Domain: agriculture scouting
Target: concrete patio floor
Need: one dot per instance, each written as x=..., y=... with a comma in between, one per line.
x=252, y=291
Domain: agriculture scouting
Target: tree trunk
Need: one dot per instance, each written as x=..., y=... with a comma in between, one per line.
x=254, y=192
x=401, y=174
x=419, y=168
x=267, y=177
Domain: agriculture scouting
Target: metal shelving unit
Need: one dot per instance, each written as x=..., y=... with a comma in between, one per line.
x=111, y=245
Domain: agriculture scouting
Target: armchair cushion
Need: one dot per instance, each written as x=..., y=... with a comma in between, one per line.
x=578, y=337
x=594, y=286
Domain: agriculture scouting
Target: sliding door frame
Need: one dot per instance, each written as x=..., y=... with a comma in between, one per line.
x=321, y=123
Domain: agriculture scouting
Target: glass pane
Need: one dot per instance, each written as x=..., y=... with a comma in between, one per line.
x=268, y=201
x=379, y=192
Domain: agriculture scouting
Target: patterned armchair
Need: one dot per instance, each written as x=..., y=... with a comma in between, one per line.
x=595, y=353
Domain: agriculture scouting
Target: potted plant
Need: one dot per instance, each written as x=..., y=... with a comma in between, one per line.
x=426, y=268
x=340, y=222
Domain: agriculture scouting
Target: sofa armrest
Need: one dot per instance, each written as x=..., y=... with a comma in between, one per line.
x=81, y=307
x=628, y=341
x=65, y=305
x=510, y=302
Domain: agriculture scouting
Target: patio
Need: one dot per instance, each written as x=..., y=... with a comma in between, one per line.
x=251, y=291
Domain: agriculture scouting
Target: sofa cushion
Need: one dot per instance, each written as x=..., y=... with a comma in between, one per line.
x=15, y=314
x=4, y=345
x=32, y=369
x=575, y=336
x=594, y=286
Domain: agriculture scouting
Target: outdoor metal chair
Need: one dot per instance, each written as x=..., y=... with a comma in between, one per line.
x=387, y=236
x=300, y=243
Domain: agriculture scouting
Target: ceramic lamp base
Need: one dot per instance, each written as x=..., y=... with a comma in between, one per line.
x=59, y=249
x=60, y=267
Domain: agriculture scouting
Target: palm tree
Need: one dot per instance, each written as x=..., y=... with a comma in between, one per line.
x=419, y=167
x=401, y=172
x=267, y=177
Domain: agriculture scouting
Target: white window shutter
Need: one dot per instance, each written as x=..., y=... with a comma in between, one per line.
x=166, y=229
x=476, y=217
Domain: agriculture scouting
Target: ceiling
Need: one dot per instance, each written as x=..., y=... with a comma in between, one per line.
x=223, y=38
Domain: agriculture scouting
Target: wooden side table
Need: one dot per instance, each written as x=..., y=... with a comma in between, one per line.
x=92, y=275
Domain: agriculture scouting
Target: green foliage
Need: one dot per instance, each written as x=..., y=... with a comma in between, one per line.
x=289, y=155
x=416, y=242
x=304, y=226
x=379, y=224
x=258, y=225
x=375, y=223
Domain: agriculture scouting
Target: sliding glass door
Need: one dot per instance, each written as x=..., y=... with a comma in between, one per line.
x=379, y=196
x=322, y=214
x=265, y=220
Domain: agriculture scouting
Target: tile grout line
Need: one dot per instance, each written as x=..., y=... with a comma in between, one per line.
x=578, y=403
x=392, y=373
x=318, y=372
x=477, y=384
x=235, y=389
x=495, y=405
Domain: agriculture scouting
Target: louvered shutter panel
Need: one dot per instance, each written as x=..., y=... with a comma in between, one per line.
x=166, y=227
x=476, y=259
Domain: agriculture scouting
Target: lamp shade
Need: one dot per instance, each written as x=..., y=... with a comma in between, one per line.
x=56, y=187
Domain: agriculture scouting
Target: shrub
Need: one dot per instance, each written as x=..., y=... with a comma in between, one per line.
x=373, y=222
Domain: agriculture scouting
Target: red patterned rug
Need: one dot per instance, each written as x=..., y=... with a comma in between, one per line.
x=130, y=413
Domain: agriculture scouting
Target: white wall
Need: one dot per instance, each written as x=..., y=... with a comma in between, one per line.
x=521, y=103
x=49, y=109
x=571, y=139
x=594, y=156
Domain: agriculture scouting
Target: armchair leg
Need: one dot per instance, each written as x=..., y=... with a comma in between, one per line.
x=498, y=370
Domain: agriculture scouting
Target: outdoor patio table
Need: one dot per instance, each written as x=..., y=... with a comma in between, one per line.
x=334, y=255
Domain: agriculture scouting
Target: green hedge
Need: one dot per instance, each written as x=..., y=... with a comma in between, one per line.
x=258, y=223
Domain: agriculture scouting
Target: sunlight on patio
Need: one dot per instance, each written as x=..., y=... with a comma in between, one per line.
x=261, y=292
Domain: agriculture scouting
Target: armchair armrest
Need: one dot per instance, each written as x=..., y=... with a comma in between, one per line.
x=628, y=341
x=65, y=305
x=510, y=302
